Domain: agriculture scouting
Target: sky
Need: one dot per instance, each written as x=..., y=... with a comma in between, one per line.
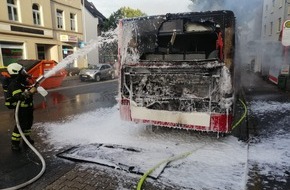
x=150, y=7
x=211, y=162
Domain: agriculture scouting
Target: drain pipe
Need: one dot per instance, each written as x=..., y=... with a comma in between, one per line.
x=43, y=92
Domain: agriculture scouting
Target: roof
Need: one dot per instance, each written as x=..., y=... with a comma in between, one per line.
x=92, y=9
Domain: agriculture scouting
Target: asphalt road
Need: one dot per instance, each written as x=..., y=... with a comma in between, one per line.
x=263, y=128
x=72, y=98
x=75, y=97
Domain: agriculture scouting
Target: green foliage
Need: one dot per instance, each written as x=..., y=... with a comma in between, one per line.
x=108, y=46
x=124, y=12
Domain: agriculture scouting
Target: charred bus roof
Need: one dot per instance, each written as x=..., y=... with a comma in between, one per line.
x=223, y=18
x=179, y=33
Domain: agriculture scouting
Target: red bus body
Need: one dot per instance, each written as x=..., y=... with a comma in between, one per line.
x=177, y=70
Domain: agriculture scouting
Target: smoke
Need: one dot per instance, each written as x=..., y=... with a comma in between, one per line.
x=200, y=5
x=248, y=13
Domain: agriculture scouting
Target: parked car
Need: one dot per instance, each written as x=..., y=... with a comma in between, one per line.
x=72, y=71
x=97, y=72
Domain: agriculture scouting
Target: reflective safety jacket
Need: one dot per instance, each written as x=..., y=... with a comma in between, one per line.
x=18, y=90
x=9, y=101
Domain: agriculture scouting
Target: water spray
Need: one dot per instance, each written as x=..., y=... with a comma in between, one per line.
x=62, y=64
x=89, y=47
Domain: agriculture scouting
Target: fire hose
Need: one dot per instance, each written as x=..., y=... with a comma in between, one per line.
x=89, y=47
x=43, y=93
x=167, y=161
x=184, y=155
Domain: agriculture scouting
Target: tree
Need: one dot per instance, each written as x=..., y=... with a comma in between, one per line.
x=123, y=12
x=108, y=45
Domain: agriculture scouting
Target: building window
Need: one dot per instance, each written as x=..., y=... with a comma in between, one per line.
x=66, y=51
x=12, y=10
x=40, y=52
x=72, y=22
x=59, y=18
x=279, y=24
x=11, y=53
x=271, y=28
x=265, y=29
x=36, y=14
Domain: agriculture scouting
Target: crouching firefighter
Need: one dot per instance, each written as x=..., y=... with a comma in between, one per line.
x=19, y=90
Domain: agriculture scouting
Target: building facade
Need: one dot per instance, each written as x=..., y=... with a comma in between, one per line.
x=92, y=20
x=275, y=12
x=273, y=57
x=40, y=29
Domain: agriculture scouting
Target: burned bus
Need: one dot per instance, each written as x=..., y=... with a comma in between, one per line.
x=177, y=70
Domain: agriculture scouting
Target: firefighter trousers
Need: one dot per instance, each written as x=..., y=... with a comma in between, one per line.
x=25, y=118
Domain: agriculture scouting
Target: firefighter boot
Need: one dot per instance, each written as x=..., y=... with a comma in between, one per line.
x=15, y=146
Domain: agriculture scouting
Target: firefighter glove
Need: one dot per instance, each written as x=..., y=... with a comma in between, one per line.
x=33, y=90
x=26, y=94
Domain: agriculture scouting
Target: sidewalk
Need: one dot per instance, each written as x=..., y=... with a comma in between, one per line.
x=257, y=88
x=60, y=174
x=63, y=174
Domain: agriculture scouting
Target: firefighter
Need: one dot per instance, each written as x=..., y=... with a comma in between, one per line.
x=19, y=90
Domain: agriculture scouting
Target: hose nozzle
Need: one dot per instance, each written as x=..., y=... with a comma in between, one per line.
x=39, y=80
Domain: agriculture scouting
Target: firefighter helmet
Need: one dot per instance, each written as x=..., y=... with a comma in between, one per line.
x=14, y=68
